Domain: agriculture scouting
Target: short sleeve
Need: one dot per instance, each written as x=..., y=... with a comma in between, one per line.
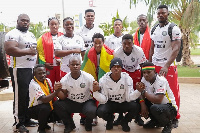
x=11, y=36
x=176, y=33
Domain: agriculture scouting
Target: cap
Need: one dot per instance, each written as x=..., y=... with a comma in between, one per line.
x=116, y=61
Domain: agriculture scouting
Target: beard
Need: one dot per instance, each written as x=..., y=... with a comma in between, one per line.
x=164, y=21
x=22, y=29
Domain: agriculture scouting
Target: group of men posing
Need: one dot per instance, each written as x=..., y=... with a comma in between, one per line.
x=82, y=73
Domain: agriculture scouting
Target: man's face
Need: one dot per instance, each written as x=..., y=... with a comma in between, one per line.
x=98, y=43
x=117, y=26
x=40, y=74
x=23, y=23
x=142, y=22
x=116, y=70
x=162, y=15
x=148, y=75
x=75, y=66
x=53, y=26
x=89, y=17
x=68, y=26
x=127, y=45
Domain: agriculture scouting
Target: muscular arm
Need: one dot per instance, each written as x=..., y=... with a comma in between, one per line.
x=46, y=99
x=154, y=98
x=62, y=53
x=151, y=52
x=12, y=49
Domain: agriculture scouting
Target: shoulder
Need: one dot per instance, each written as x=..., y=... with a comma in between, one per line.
x=33, y=84
x=161, y=79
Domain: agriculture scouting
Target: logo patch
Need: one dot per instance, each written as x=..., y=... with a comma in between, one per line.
x=82, y=85
x=121, y=86
x=164, y=33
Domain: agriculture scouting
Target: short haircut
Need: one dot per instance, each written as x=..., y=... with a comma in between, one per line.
x=75, y=58
x=65, y=19
x=20, y=15
x=89, y=10
x=147, y=64
x=162, y=6
x=117, y=19
x=98, y=35
x=37, y=66
x=127, y=36
x=141, y=16
x=49, y=20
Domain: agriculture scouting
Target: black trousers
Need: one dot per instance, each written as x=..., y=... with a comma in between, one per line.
x=64, y=108
x=163, y=114
x=22, y=78
x=43, y=114
x=106, y=111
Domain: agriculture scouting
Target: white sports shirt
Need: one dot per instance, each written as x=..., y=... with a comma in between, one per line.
x=87, y=35
x=120, y=91
x=162, y=44
x=133, y=61
x=36, y=92
x=161, y=86
x=25, y=41
x=68, y=43
x=113, y=42
x=78, y=89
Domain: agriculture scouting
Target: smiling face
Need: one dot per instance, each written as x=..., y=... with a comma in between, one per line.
x=53, y=26
x=98, y=43
x=23, y=22
x=40, y=74
x=162, y=15
x=69, y=26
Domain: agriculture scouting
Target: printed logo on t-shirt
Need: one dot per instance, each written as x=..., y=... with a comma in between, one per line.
x=164, y=33
x=121, y=86
x=82, y=85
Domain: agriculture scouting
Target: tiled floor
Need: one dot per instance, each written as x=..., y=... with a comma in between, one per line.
x=189, y=122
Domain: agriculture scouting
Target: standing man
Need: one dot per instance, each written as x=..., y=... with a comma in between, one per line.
x=115, y=93
x=142, y=35
x=21, y=44
x=89, y=29
x=132, y=57
x=75, y=96
x=115, y=40
x=164, y=50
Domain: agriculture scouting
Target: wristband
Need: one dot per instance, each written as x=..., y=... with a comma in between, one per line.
x=142, y=100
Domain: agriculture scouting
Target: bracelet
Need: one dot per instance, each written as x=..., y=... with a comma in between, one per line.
x=142, y=100
x=142, y=93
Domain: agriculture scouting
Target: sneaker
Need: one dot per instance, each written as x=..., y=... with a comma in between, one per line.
x=47, y=127
x=118, y=121
x=31, y=123
x=68, y=129
x=22, y=129
x=139, y=121
x=125, y=126
x=150, y=124
x=167, y=128
x=82, y=121
x=88, y=127
x=174, y=123
x=95, y=121
x=109, y=125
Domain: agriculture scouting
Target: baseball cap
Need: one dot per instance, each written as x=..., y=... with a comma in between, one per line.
x=116, y=61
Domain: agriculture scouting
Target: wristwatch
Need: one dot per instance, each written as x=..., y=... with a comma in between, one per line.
x=142, y=93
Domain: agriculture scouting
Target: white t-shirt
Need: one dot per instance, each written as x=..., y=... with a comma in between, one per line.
x=36, y=92
x=78, y=89
x=162, y=44
x=120, y=91
x=25, y=41
x=113, y=42
x=133, y=61
x=161, y=86
x=87, y=35
x=69, y=43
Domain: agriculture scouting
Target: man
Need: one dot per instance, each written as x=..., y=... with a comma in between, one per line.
x=115, y=94
x=75, y=96
x=164, y=51
x=42, y=97
x=160, y=99
x=132, y=57
x=21, y=45
x=89, y=29
x=97, y=61
x=142, y=35
x=115, y=40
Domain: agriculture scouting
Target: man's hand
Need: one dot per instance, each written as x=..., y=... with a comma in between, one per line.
x=163, y=71
x=57, y=86
x=77, y=50
x=96, y=86
x=144, y=110
x=49, y=66
x=58, y=61
x=140, y=86
x=32, y=51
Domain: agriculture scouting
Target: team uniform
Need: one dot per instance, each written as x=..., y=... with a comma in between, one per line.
x=37, y=109
x=68, y=43
x=131, y=63
x=22, y=73
x=162, y=52
x=87, y=35
x=166, y=111
x=113, y=42
x=117, y=97
x=79, y=99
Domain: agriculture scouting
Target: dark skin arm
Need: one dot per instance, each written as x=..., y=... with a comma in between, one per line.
x=63, y=93
x=63, y=53
x=47, y=99
x=82, y=54
x=154, y=98
x=96, y=86
x=151, y=51
x=12, y=49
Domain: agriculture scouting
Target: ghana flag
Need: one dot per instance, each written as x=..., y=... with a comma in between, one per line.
x=89, y=64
